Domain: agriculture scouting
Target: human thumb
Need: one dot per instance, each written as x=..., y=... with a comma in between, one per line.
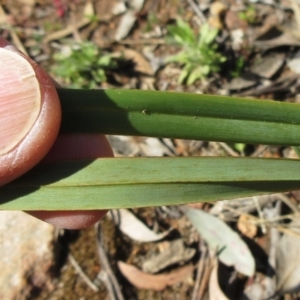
x=30, y=113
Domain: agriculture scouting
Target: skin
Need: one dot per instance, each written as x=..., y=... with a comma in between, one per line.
x=42, y=144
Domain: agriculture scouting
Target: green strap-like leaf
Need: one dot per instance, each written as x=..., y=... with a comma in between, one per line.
x=135, y=182
x=180, y=115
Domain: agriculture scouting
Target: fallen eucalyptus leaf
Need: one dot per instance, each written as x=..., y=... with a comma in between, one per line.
x=134, y=228
x=159, y=282
x=128, y=19
x=231, y=249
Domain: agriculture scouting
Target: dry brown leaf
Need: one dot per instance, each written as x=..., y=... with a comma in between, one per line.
x=247, y=226
x=159, y=282
x=217, y=9
x=142, y=65
x=286, y=39
x=197, y=205
x=233, y=21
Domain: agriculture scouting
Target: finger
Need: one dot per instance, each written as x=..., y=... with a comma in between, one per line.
x=30, y=113
x=69, y=219
x=24, y=143
x=72, y=147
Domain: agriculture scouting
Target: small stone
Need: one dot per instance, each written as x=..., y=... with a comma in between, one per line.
x=268, y=66
x=26, y=255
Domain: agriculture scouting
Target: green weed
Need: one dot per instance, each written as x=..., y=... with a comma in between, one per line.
x=249, y=15
x=83, y=65
x=199, y=55
x=239, y=65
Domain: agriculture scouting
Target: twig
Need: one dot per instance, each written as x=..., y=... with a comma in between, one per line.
x=200, y=270
x=268, y=222
x=288, y=231
x=274, y=237
x=261, y=216
x=260, y=149
x=288, y=202
x=269, y=280
x=111, y=283
x=228, y=149
x=279, y=218
x=206, y=276
x=82, y=274
x=103, y=277
x=154, y=41
x=197, y=11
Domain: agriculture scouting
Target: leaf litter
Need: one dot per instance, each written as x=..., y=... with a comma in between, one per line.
x=228, y=245
x=158, y=282
x=130, y=225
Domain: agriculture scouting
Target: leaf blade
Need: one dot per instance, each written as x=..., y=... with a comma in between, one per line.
x=138, y=182
x=179, y=115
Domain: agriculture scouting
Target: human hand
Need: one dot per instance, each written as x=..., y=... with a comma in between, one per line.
x=29, y=125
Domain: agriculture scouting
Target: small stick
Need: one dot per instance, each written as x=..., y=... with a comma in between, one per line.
x=288, y=202
x=260, y=149
x=112, y=280
x=260, y=213
x=82, y=274
x=228, y=149
x=205, y=278
x=200, y=270
x=153, y=41
x=197, y=11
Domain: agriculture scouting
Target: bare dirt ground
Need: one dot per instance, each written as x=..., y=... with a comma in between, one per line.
x=260, y=43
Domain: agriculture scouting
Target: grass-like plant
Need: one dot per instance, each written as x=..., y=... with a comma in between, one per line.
x=82, y=65
x=199, y=56
x=135, y=182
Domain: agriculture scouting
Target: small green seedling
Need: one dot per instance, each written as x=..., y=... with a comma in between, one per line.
x=199, y=55
x=239, y=66
x=83, y=65
x=249, y=15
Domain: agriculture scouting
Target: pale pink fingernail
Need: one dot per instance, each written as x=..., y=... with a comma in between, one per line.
x=20, y=99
